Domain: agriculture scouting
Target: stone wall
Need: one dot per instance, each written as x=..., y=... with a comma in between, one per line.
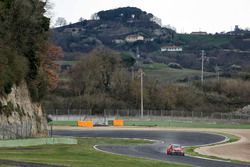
x=19, y=117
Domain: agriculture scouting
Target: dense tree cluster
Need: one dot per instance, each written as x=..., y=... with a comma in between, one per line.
x=102, y=80
x=23, y=45
x=123, y=14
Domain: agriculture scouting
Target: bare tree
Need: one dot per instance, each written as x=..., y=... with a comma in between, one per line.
x=60, y=21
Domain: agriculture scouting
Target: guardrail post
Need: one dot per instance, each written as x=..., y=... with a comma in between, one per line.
x=51, y=130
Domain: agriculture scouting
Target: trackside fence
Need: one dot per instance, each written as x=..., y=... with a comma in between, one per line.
x=15, y=131
x=133, y=114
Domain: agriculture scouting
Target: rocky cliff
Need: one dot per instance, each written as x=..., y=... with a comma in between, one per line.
x=19, y=116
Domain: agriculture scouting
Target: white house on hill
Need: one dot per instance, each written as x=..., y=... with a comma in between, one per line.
x=134, y=38
x=171, y=49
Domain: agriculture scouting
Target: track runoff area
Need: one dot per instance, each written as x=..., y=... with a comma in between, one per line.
x=157, y=150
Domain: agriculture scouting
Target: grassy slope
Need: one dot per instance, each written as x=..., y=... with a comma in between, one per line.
x=163, y=73
x=81, y=154
x=207, y=40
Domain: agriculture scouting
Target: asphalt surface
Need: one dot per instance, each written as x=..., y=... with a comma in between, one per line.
x=157, y=151
x=24, y=164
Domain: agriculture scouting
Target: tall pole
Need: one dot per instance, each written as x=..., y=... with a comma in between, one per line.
x=133, y=74
x=217, y=72
x=141, y=71
x=218, y=75
x=202, y=66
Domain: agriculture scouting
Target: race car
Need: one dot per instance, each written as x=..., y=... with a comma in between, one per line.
x=175, y=149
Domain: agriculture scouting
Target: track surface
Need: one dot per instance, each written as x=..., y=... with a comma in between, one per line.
x=156, y=151
x=24, y=164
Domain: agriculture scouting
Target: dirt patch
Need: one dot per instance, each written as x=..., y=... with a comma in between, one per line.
x=239, y=150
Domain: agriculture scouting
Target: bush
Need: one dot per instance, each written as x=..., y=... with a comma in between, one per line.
x=13, y=69
x=39, y=87
x=175, y=65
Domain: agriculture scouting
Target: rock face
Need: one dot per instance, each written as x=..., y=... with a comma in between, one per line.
x=19, y=116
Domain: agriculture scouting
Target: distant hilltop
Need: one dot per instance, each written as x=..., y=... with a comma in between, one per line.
x=114, y=28
x=141, y=34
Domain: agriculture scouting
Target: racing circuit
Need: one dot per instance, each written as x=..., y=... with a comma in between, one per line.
x=156, y=150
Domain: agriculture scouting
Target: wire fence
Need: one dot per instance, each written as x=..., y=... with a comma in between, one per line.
x=15, y=131
x=133, y=114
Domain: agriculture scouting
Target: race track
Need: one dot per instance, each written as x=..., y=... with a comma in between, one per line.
x=157, y=150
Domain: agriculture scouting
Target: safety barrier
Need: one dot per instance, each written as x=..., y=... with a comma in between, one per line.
x=88, y=124
x=118, y=123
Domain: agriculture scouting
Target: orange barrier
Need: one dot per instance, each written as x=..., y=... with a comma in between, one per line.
x=89, y=124
x=118, y=123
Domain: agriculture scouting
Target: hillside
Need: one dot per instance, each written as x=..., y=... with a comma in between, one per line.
x=117, y=29
x=165, y=74
x=110, y=28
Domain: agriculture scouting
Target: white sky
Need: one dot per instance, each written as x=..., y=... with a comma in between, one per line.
x=185, y=15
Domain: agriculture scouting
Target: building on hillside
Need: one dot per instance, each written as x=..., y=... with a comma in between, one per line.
x=118, y=41
x=134, y=38
x=199, y=33
x=171, y=48
x=237, y=31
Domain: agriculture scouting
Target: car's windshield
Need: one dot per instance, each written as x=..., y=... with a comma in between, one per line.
x=176, y=146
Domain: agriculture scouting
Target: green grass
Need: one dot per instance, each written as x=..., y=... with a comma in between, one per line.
x=171, y=124
x=63, y=123
x=36, y=142
x=164, y=73
x=82, y=154
x=207, y=40
x=187, y=124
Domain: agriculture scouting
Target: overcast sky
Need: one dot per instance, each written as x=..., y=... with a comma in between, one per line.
x=185, y=15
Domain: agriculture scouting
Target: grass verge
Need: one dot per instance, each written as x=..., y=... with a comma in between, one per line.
x=82, y=154
x=63, y=123
x=188, y=124
x=170, y=124
x=37, y=141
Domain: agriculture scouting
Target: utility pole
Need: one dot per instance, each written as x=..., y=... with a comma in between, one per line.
x=218, y=75
x=217, y=69
x=133, y=73
x=141, y=73
x=202, y=66
x=138, y=52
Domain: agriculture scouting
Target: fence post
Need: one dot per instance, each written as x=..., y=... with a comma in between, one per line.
x=68, y=114
x=56, y=115
x=26, y=123
x=51, y=130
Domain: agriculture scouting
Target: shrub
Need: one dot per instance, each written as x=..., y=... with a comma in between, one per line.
x=175, y=65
